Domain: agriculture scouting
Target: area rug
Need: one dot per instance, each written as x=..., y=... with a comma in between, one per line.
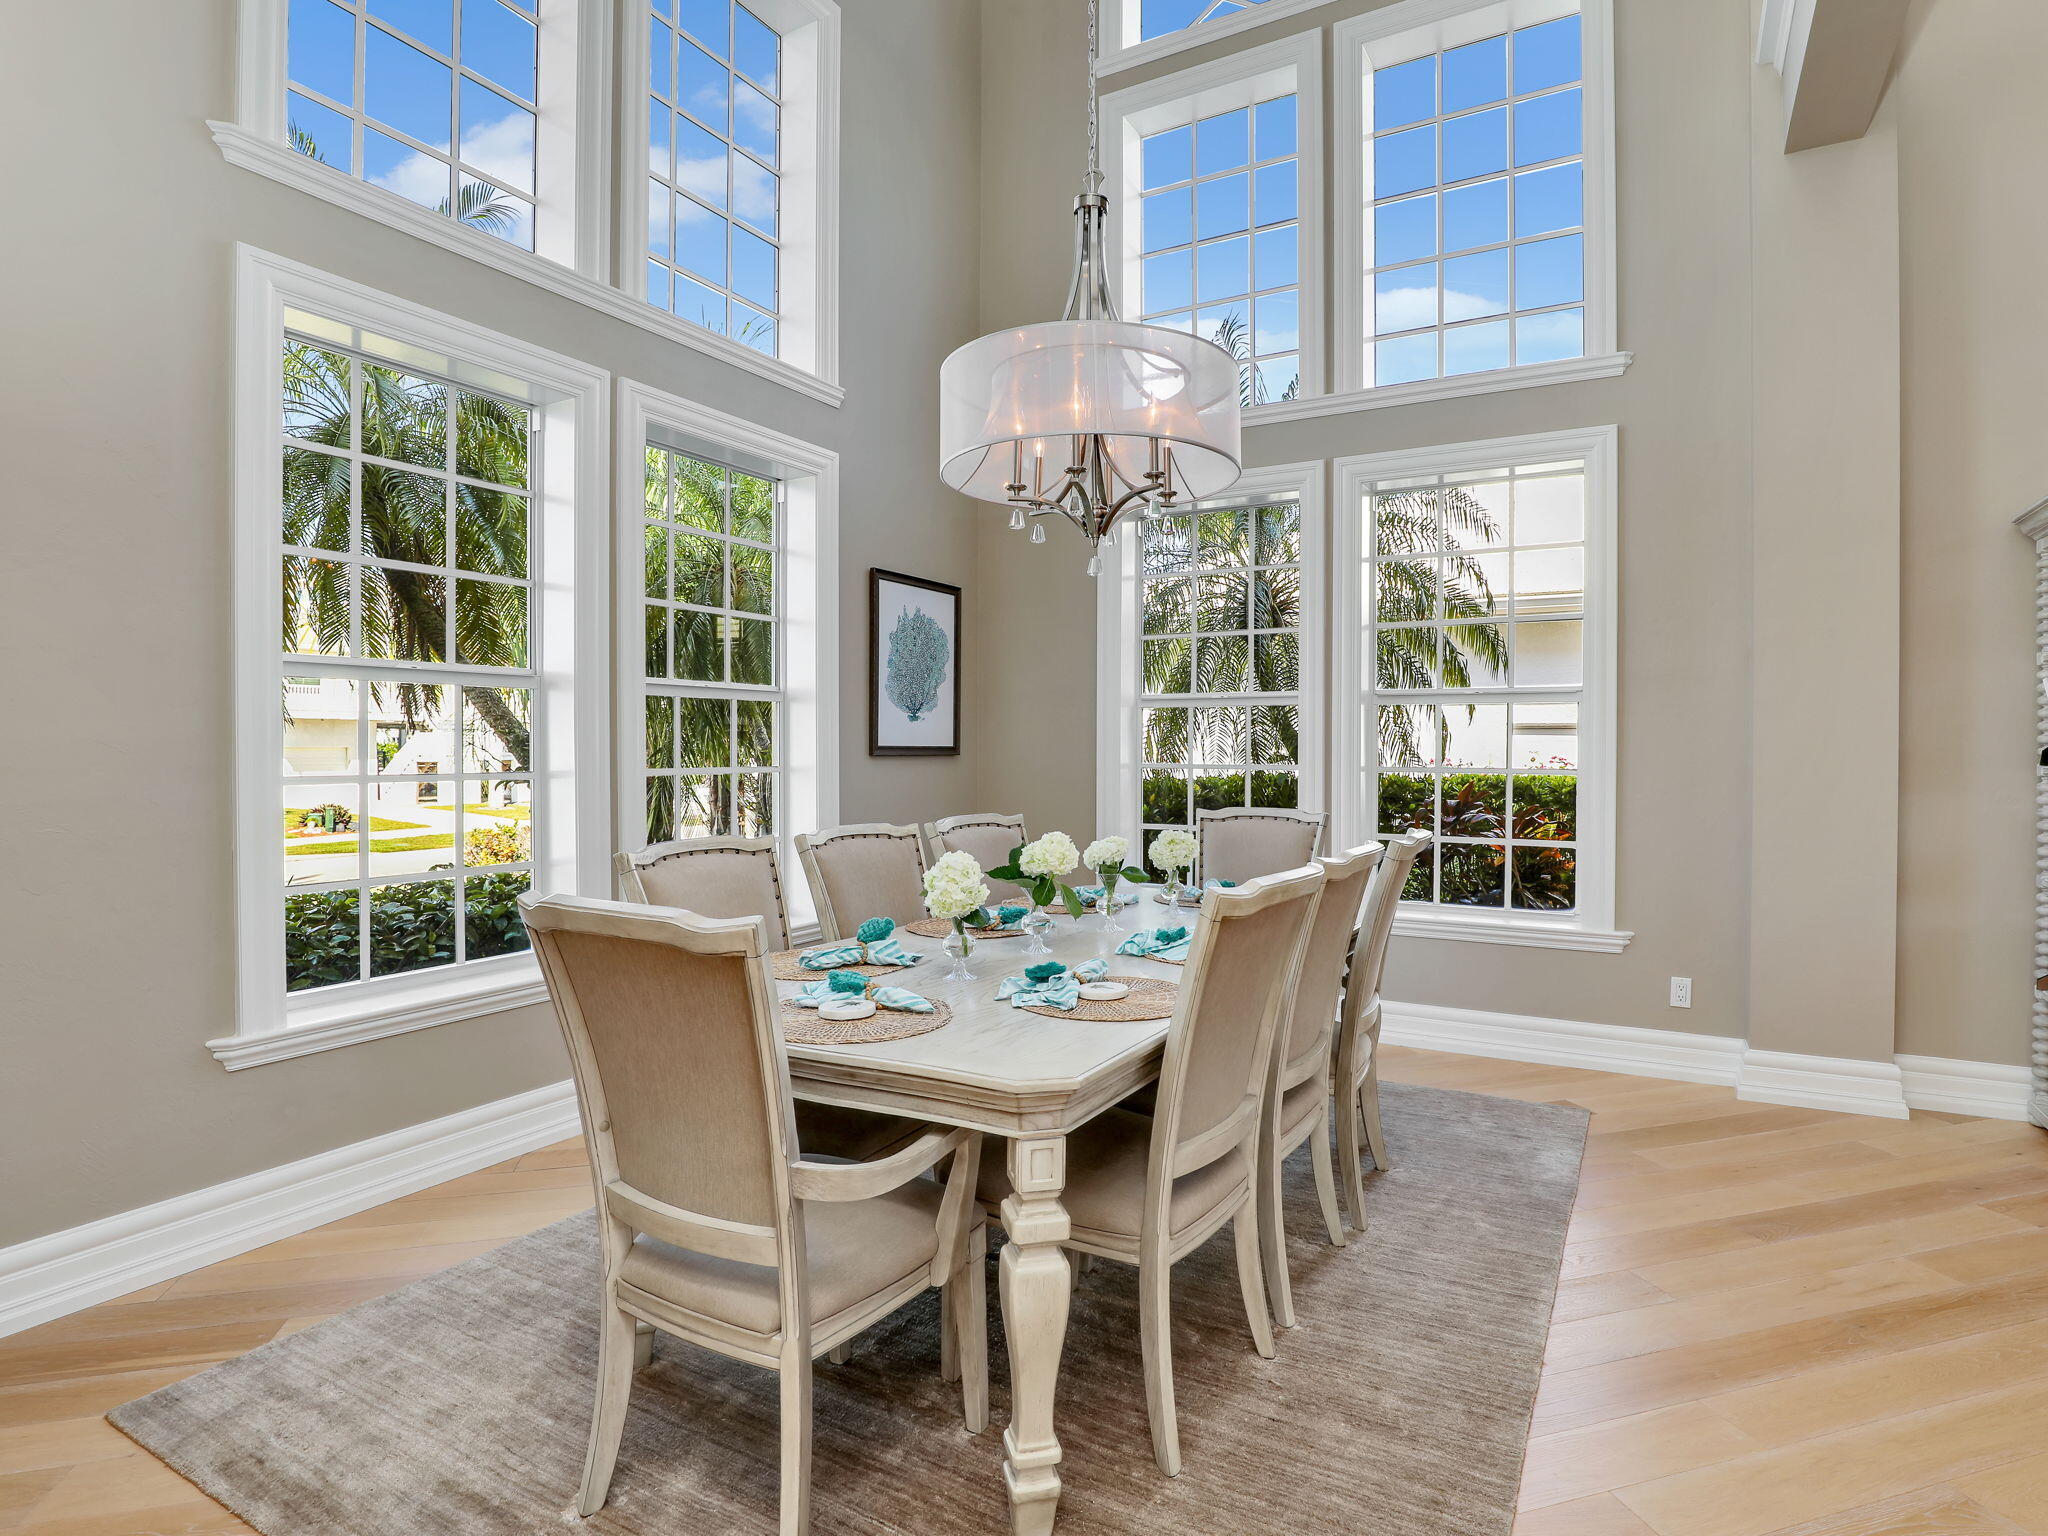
x=1400, y=1406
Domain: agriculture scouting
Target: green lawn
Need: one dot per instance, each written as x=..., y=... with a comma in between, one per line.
x=377, y=824
x=379, y=844
x=508, y=812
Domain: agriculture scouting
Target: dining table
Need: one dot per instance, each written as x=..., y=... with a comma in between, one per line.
x=1031, y=1079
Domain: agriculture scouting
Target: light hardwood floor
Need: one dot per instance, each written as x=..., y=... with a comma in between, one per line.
x=1773, y=1322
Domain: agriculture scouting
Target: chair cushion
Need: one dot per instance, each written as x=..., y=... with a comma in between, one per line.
x=1298, y=1105
x=1106, y=1177
x=856, y=1249
x=857, y=1135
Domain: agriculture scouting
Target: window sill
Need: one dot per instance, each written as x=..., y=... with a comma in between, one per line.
x=254, y=153
x=1531, y=932
x=1534, y=376
x=327, y=1024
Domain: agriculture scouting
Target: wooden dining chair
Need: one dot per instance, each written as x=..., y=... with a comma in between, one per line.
x=711, y=1226
x=1244, y=844
x=1357, y=1080
x=1297, y=1103
x=987, y=837
x=1149, y=1190
x=874, y=869
x=742, y=877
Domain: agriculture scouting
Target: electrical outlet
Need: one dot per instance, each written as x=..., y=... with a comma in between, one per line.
x=1681, y=991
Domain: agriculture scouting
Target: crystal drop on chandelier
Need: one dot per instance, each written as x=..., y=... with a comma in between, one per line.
x=1038, y=533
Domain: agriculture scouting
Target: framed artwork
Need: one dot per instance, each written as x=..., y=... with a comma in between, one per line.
x=913, y=666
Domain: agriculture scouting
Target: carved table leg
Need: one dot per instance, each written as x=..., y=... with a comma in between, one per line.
x=1035, y=1286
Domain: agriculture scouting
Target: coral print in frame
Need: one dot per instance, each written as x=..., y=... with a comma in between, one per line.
x=913, y=666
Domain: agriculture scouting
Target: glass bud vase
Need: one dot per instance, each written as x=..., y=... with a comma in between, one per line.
x=1037, y=924
x=960, y=945
x=1111, y=922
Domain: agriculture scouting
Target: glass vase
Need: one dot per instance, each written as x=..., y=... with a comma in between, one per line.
x=1111, y=922
x=960, y=945
x=1037, y=924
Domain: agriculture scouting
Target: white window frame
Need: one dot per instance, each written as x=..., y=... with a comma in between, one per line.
x=1119, y=652
x=570, y=640
x=1123, y=48
x=807, y=597
x=1392, y=30
x=1591, y=925
x=1293, y=64
x=574, y=146
x=808, y=165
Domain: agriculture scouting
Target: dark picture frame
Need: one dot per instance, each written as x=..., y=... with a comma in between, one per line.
x=913, y=709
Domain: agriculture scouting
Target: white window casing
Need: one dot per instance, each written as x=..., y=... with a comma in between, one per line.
x=576, y=245
x=1119, y=686
x=1124, y=45
x=805, y=690
x=1291, y=66
x=569, y=649
x=1356, y=695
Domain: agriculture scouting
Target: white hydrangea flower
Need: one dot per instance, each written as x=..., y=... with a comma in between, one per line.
x=953, y=886
x=1175, y=848
x=1052, y=854
x=1106, y=851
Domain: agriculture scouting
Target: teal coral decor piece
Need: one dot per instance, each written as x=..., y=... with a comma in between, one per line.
x=918, y=657
x=874, y=930
x=848, y=983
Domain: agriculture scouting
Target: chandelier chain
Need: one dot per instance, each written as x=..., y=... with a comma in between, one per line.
x=1094, y=150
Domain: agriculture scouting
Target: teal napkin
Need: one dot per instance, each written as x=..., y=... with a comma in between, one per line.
x=1051, y=985
x=1159, y=944
x=1000, y=917
x=874, y=943
x=812, y=993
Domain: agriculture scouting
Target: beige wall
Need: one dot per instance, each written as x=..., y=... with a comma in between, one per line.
x=117, y=962
x=1972, y=123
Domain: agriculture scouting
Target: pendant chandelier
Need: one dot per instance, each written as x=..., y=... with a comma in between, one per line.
x=1089, y=417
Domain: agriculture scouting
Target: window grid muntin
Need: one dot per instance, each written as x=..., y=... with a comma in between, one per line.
x=1250, y=369
x=670, y=692
x=452, y=678
x=355, y=558
x=1511, y=175
x=1207, y=10
x=673, y=274
x=363, y=22
x=1247, y=763
x=1508, y=696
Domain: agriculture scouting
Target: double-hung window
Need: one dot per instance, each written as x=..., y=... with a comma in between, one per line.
x=411, y=498
x=1217, y=199
x=736, y=151
x=1211, y=661
x=1476, y=680
x=1479, y=144
x=727, y=585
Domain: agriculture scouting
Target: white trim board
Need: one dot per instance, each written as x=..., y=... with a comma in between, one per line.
x=48, y=1277
x=1888, y=1090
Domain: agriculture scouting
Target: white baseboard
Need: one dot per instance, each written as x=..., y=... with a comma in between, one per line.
x=1988, y=1088
x=48, y=1277
x=1823, y=1082
x=1886, y=1089
x=1564, y=1042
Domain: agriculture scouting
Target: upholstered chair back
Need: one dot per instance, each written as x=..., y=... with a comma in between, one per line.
x=1242, y=845
x=1233, y=989
x=1312, y=1015
x=986, y=838
x=1371, y=961
x=858, y=872
x=679, y=1065
x=711, y=876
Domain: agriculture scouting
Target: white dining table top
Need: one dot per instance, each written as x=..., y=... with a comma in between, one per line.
x=995, y=1066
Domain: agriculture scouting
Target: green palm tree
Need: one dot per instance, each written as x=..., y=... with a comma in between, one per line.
x=1234, y=337
x=405, y=613
x=477, y=203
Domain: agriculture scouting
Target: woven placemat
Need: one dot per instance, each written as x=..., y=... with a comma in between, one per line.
x=938, y=928
x=802, y=1026
x=783, y=965
x=1151, y=998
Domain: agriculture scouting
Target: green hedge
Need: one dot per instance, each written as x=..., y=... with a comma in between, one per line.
x=1476, y=805
x=412, y=927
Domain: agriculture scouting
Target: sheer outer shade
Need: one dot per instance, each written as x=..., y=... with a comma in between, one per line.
x=1129, y=383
